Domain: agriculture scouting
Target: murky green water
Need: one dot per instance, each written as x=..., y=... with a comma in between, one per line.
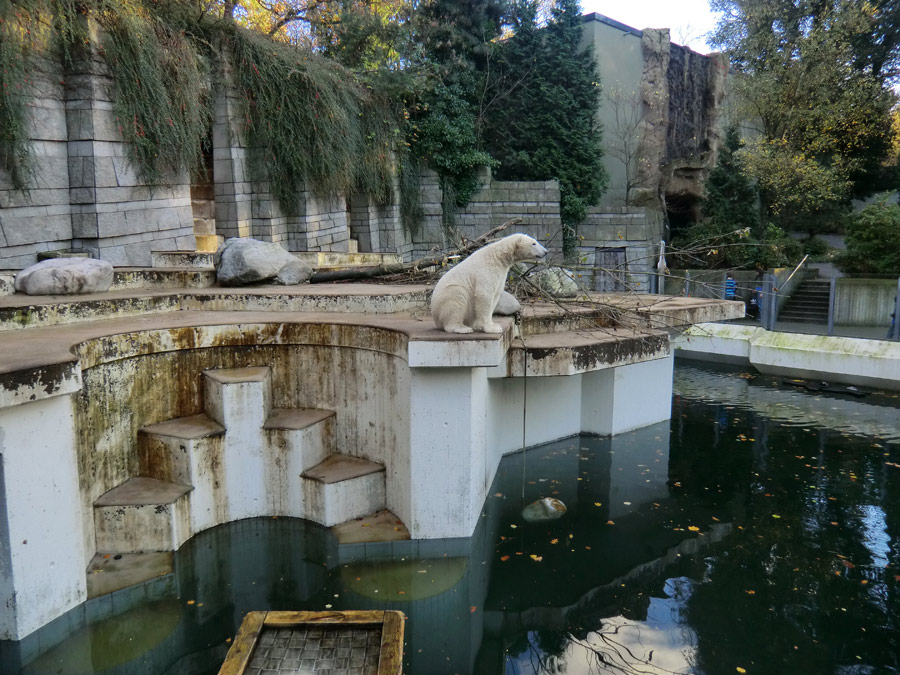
x=758, y=532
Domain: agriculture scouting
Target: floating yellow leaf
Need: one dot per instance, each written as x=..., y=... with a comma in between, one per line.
x=536, y=558
x=609, y=522
x=554, y=541
x=740, y=670
x=775, y=515
x=597, y=504
x=693, y=528
x=191, y=602
x=504, y=558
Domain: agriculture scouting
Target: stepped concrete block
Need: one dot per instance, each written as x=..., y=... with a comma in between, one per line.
x=201, y=258
x=297, y=440
x=238, y=396
x=240, y=400
x=142, y=514
x=342, y=488
x=188, y=450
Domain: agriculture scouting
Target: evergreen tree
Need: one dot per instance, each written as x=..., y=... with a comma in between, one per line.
x=731, y=198
x=547, y=128
x=455, y=40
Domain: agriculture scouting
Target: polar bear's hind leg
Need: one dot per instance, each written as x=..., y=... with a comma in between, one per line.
x=485, y=301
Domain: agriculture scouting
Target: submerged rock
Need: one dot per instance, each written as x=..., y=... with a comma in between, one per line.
x=65, y=276
x=241, y=260
x=548, y=508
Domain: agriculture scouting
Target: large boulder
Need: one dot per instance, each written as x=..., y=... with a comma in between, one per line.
x=241, y=261
x=65, y=276
x=507, y=305
x=557, y=282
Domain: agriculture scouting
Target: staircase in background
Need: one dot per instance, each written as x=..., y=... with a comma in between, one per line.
x=809, y=303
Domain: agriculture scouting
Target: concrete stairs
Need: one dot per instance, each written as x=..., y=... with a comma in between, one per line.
x=240, y=458
x=809, y=303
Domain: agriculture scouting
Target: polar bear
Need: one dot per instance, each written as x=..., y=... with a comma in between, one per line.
x=464, y=298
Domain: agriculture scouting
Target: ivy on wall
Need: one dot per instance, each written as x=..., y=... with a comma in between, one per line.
x=308, y=121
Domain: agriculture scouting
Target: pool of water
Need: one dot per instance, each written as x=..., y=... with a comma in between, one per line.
x=757, y=532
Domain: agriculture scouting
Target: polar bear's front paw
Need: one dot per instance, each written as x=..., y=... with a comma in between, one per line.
x=493, y=328
x=457, y=328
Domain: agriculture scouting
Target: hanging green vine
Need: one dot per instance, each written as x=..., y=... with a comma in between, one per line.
x=308, y=119
x=161, y=97
x=16, y=38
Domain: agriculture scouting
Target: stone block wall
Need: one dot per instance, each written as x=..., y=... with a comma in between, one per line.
x=85, y=193
x=39, y=220
x=535, y=202
x=116, y=215
x=637, y=230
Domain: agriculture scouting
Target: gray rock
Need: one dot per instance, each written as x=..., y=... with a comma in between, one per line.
x=548, y=508
x=507, y=305
x=557, y=282
x=242, y=261
x=65, y=276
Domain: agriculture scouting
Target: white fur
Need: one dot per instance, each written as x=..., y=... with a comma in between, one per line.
x=464, y=299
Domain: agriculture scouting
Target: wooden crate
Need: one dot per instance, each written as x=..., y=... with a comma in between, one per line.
x=367, y=643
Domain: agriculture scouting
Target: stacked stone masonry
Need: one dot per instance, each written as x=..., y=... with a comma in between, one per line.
x=86, y=194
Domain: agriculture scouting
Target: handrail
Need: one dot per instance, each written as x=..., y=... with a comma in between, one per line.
x=791, y=275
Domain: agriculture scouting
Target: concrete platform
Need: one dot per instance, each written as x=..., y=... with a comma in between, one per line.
x=187, y=428
x=141, y=491
x=338, y=468
x=296, y=418
x=381, y=526
x=112, y=572
x=81, y=377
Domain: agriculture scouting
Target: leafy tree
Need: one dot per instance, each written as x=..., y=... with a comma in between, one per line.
x=873, y=240
x=454, y=39
x=820, y=98
x=730, y=234
x=547, y=127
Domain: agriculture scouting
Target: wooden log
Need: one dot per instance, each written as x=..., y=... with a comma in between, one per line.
x=414, y=266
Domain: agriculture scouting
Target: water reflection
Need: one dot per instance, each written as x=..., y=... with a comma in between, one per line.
x=738, y=536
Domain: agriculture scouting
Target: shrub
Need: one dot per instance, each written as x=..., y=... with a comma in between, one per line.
x=873, y=241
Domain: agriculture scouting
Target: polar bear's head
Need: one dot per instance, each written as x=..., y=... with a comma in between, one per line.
x=526, y=248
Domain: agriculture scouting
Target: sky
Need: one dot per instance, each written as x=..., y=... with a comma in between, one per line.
x=688, y=20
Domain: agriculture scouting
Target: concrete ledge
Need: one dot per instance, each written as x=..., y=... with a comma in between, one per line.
x=872, y=363
x=577, y=352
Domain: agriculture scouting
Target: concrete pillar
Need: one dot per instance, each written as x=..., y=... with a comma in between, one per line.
x=42, y=555
x=620, y=399
x=445, y=474
x=230, y=165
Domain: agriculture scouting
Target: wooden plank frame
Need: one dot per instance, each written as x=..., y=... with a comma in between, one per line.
x=390, y=661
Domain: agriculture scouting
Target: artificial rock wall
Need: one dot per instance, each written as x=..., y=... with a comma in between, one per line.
x=84, y=192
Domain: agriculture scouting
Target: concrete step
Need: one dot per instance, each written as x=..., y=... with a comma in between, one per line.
x=240, y=399
x=188, y=450
x=342, y=488
x=195, y=259
x=300, y=438
x=142, y=514
x=162, y=278
x=238, y=396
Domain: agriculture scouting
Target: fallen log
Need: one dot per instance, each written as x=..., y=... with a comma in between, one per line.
x=354, y=273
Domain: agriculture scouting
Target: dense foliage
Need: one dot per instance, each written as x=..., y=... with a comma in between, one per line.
x=730, y=234
x=335, y=95
x=873, y=240
x=810, y=78
x=546, y=126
